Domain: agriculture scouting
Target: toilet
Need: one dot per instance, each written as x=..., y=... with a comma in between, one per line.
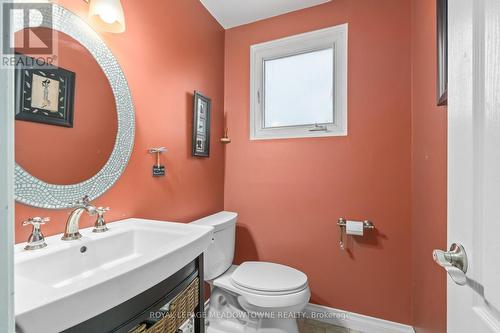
x=255, y=296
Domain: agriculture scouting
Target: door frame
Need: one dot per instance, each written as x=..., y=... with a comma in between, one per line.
x=7, y=315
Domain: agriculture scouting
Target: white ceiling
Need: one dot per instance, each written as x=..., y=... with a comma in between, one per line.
x=232, y=13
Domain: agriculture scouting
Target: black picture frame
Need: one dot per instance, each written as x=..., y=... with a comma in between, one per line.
x=442, y=52
x=202, y=107
x=30, y=76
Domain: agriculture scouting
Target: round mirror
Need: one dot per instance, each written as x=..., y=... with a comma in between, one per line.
x=74, y=151
x=74, y=117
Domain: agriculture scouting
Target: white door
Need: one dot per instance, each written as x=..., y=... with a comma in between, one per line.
x=474, y=163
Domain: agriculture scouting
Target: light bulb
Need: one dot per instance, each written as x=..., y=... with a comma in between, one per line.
x=108, y=16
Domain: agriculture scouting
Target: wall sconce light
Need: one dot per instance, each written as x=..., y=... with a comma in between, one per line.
x=107, y=15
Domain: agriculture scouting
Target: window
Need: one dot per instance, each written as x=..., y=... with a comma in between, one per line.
x=299, y=86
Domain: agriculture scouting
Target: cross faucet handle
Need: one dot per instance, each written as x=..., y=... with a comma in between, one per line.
x=36, y=240
x=102, y=210
x=100, y=223
x=36, y=221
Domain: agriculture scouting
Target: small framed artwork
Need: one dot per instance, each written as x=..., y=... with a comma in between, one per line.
x=44, y=94
x=201, y=125
x=442, y=52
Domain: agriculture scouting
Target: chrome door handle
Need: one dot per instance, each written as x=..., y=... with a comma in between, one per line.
x=454, y=262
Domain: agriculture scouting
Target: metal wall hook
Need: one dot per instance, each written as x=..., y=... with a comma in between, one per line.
x=157, y=150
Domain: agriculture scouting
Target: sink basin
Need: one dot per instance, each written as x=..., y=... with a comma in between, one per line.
x=67, y=283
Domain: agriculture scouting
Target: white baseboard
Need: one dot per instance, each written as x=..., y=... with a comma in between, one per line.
x=354, y=321
x=339, y=318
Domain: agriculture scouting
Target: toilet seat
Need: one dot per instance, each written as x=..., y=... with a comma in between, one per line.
x=261, y=299
x=266, y=278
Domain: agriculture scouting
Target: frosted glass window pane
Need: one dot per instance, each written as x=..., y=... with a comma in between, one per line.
x=299, y=89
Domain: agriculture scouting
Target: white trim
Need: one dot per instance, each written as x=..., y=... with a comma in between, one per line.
x=336, y=37
x=355, y=321
x=6, y=195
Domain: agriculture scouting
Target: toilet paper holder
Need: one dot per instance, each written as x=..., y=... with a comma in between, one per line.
x=342, y=223
x=366, y=223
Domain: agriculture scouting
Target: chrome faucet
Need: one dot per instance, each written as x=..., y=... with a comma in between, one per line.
x=72, y=225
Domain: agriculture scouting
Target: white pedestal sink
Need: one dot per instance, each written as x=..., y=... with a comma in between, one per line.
x=69, y=282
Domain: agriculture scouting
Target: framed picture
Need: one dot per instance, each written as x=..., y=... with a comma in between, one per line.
x=442, y=50
x=44, y=94
x=201, y=125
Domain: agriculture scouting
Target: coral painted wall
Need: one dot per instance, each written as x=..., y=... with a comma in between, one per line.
x=170, y=49
x=290, y=193
x=391, y=168
x=429, y=174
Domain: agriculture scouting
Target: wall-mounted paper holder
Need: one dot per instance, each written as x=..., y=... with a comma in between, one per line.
x=158, y=169
x=342, y=223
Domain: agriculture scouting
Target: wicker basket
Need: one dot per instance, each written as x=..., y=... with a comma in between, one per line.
x=180, y=310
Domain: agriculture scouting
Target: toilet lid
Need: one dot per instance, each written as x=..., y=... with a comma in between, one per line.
x=268, y=277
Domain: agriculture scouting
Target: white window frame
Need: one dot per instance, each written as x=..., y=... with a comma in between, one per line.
x=335, y=37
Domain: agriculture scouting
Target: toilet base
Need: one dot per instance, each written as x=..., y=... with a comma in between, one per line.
x=279, y=326
x=229, y=313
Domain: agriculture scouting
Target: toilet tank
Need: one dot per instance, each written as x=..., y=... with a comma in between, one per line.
x=220, y=254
